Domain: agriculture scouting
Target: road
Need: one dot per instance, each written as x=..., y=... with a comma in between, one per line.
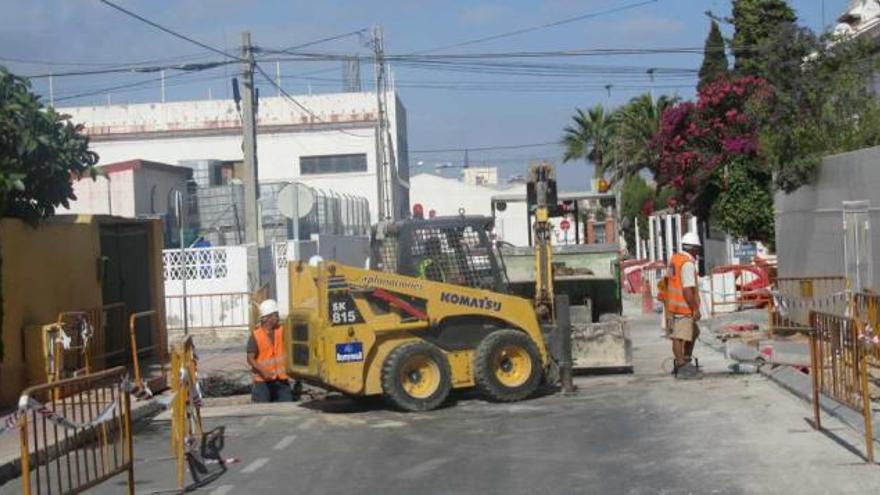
x=643, y=433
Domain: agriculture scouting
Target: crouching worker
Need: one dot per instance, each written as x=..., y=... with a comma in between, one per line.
x=267, y=358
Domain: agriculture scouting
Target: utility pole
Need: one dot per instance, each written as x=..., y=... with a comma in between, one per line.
x=278, y=79
x=386, y=172
x=249, y=146
x=51, y=91
x=162, y=77
x=651, y=75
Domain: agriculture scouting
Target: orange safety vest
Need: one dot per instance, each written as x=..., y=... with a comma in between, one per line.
x=675, y=301
x=270, y=354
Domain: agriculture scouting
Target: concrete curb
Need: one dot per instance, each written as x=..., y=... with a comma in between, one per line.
x=10, y=468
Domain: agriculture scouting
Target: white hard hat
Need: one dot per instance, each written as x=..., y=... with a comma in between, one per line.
x=268, y=307
x=314, y=260
x=691, y=239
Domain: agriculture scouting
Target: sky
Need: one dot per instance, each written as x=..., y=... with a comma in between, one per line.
x=445, y=109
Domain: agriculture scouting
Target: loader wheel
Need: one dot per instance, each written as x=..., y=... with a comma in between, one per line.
x=416, y=377
x=507, y=367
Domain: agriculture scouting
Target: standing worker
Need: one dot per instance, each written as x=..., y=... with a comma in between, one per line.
x=683, y=306
x=267, y=358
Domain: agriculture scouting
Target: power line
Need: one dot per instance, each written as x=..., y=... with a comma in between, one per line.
x=171, y=81
x=192, y=67
x=169, y=31
x=99, y=64
x=312, y=43
x=541, y=26
x=486, y=148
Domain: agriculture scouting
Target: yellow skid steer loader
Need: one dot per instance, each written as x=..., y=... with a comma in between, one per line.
x=430, y=316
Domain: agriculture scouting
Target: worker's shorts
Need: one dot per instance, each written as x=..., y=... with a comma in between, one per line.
x=274, y=391
x=682, y=328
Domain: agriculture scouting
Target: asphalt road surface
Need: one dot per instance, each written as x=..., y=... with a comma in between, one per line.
x=643, y=433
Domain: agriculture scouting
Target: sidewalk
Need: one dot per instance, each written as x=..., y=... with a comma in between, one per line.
x=789, y=378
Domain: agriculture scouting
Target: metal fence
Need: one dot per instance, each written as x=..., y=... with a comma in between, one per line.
x=839, y=368
x=866, y=311
x=745, y=286
x=148, y=356
x=76, y=433
x=191, y=446
x=216, y=214
x=793, y=298
x=228, y=310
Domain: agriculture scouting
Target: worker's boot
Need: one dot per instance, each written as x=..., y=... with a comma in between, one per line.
x=688, y=372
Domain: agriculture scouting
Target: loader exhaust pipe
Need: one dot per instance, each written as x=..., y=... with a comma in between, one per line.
x=563, y=343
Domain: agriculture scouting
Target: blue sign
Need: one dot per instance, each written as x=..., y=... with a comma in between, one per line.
x=349, y=352
x=745, y=251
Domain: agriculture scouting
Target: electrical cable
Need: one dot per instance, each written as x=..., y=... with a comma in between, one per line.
x=311, y=43
x=100, y=64
x=486, y=148
x=541, y=26
x=140, y=69
x=169, y=31
x=119, y=87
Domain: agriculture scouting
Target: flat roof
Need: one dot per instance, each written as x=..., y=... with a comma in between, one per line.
x=112, y=168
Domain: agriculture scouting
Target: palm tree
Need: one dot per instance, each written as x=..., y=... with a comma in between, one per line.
x=635, y=125
x=589, y=138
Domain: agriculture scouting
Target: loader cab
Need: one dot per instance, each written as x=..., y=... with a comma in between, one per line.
x=456, y=250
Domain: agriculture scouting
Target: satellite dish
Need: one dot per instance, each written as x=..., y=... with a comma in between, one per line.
x=296, y=200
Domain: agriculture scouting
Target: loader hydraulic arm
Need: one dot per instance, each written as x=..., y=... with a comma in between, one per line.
x=543, y=185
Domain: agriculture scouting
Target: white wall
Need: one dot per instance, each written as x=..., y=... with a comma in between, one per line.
x=92, y=197
x=216, y=270
x=152, y=189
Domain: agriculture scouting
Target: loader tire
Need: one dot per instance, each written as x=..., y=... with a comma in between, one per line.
x=507, y=366
x=416, y=377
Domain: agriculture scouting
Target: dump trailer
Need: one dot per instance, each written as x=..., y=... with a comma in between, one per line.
x=586, y=268
x=431, y=315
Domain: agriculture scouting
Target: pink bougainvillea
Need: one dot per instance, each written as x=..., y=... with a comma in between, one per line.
x=695, y=139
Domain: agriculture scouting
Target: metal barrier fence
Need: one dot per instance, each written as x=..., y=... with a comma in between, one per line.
x=70, y=345
x=80, y=439
x=190, y=445
x=111, y=346
x=839, y=368
x=866, y=311
x=153, y=349
x=230, y=310
x=741, y=290
x=793, y=298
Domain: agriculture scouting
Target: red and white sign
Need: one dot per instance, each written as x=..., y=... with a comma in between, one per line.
x=564, y=224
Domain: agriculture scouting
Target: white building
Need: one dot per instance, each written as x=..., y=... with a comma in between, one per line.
x=481, y=176
x=331, y=148
x=450, y=196
x=861, y=17
x=129, y=189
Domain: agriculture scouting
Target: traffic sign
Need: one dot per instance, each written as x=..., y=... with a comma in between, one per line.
x=564, y=224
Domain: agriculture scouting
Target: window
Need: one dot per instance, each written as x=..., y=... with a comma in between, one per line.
x=332, y=164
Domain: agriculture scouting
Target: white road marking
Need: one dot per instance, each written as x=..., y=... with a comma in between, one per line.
x=422, y=469
x=262, y=421
x=284, y=442
x=222, y=490
x=257, y=464
x=307, y=423
x=388, y=424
